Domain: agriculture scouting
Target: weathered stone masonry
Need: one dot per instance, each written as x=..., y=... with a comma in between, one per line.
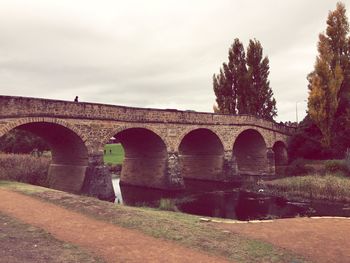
x=161, y=146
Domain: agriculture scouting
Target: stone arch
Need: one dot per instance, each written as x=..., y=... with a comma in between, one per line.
x=145, y=161
x=185, y=130
x=122, y=128
x=201, y=155
x=69, y=152
x=280, y=150
x=250, y=153
x=17, y=122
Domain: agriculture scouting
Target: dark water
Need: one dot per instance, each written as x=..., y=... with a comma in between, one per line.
x=226, y=201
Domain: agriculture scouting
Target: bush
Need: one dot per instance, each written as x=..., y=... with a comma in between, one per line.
x=347, y=159
x=24, y=168
x=329, y=187
x=167, y=204
x=297, y=167
x=306, y=142
x=335, y=166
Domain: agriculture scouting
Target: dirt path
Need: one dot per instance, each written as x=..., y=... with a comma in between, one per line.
x=113, y=243
x=321, y=240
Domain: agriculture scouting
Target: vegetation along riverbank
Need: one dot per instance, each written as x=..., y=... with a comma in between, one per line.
x=330, y=187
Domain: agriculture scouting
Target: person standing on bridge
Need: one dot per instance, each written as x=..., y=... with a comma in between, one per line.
x=76, y=99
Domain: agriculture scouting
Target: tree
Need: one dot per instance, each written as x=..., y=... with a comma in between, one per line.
x=241, y=90
x=21, y=141
x=305, y=143
x=216, y=108
x=326, y=82
x=230, y=82
x=261, y=101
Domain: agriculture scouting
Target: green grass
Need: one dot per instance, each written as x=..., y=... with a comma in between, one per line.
x=327, y=187
x=114, y=154
x=22, y=187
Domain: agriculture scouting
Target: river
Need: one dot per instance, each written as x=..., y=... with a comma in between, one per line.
x=225, y=201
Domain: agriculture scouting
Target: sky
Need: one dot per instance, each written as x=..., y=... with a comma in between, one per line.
x=154, y=54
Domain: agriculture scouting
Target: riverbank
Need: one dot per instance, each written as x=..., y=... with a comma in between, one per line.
x=182, y=229
x=329, y=187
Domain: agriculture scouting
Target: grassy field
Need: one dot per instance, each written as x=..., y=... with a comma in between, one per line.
x=184, y=229
x=114, y=154
x=328, y=187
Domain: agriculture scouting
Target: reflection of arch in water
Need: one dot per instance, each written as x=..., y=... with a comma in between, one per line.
x=201, y=155
x=145, y=161
x=69, y=153
x=249, y=152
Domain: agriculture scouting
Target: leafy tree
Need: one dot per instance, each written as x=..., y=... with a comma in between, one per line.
x=230, y=82
x=243, y=90
x=330, y=77
x=261, y=101
x=305, y=143
x=20, y=141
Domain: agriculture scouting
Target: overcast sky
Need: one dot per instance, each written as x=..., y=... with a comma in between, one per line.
x=159, y=54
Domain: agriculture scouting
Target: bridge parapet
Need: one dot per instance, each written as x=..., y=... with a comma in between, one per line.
x=14, y=107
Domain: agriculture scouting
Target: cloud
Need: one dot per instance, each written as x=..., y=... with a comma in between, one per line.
x=152, y=53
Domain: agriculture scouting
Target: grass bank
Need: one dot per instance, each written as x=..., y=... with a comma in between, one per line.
x=184, y=229
x=326, y=187
x=113, y=153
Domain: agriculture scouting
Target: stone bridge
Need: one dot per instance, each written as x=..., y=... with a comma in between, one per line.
x=161, y=146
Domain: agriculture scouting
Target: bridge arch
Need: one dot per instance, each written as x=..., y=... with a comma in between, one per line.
x=18, y=122
x=145, y=160
x=68, y=149
x=250, y=153
x=201, y=155
x=120, y=128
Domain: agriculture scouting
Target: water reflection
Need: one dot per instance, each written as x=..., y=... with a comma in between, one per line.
x=225, y=201
x=117, y=191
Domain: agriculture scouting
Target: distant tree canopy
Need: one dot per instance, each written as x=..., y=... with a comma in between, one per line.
x=329, y=83
x=242, y=86
x=20, y=141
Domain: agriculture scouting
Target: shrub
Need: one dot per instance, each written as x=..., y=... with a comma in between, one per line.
x=306, y=142
x=347, y=159
x=24, y=168
x=329, y=187
x=297, y=167
x=167, y=204
x=336, y=166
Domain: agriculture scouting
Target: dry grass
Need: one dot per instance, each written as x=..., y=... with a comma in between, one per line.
x=24, y=168
x=329, y=187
